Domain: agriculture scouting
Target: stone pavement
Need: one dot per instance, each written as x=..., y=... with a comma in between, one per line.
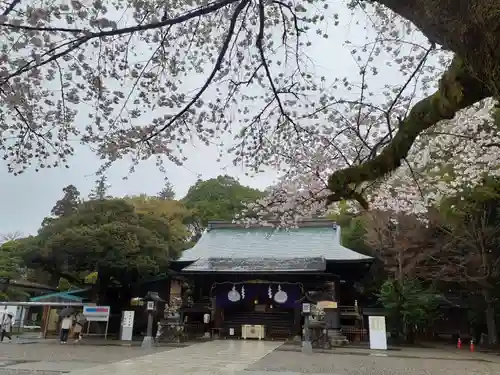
x=48, y=358
x=226, y=357
x=404, y=362
x=221, y=357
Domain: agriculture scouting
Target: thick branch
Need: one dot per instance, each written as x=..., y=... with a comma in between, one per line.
x=457, y=90
x=10, y=7
x=468, y=28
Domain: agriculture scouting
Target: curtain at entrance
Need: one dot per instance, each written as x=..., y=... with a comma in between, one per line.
x=284, y=295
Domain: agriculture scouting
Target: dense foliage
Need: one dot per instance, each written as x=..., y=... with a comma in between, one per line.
x=409, y=304
x=105, y=241
x=220, y=198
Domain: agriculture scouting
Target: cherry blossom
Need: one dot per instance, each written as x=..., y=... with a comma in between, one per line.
x=143, y=79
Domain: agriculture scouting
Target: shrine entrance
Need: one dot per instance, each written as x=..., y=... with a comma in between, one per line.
x=271, y=306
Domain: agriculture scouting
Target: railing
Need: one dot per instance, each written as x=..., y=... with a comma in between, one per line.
x=355, y=334
x=349, y=309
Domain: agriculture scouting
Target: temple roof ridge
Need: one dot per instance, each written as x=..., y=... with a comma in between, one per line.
x=314, y=238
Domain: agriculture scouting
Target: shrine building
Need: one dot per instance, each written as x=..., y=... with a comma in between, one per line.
x=261, y=276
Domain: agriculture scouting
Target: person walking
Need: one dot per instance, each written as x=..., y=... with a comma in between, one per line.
x=66, y=324
x=77, y=330
x=6, y=328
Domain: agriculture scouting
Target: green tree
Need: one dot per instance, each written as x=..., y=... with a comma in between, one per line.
x=471, y=220
x=353, y=231
x=409, y=304
x=174, y=212
x=100, y=191
x=12, y=267
x=167, y=193
x=109, y=237
x=218, y=198
x=68, y=204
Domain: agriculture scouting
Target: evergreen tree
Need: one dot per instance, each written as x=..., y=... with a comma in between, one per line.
x=167, y=193
x=68, y=203
x=100, y=192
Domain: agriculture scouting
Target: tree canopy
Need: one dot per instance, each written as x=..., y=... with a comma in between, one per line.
x=167, y=192
x=68, y=204
x=329, y=136
x=110, y=237
x=220, y=198
x=409, y=125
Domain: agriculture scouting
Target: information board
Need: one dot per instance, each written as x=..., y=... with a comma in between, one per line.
x=128, y=319
x=306, y=308
x=378, y=333
x=96, y=313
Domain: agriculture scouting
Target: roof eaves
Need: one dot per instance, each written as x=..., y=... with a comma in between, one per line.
x=310, y=223
x=69, y=295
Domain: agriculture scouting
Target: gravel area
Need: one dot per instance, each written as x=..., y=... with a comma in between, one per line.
x=344, y=364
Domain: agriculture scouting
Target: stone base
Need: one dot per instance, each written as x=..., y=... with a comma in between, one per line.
x=336, y=338
x=147, y=342
x=307, y=347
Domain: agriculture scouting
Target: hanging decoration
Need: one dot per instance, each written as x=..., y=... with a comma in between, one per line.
x=280, y=296
x=270, y=292
x=233, y=295
x=243, y=292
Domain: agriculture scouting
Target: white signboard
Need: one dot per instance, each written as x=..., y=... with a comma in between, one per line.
x=306, y=308
x=378, y=334
x=96, y=313
x=128, y=319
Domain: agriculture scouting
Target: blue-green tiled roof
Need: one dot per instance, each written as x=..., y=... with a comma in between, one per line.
x=311, y=239
x=68, y=296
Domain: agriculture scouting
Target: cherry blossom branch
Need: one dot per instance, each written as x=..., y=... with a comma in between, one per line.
x=132, y=29
x=260, y=47
x=10, y=7
x=217, y=66
x=88, y=35
x=412, y=75
x=458, y=89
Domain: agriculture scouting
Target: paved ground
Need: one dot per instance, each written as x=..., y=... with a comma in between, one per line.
x=228, y=357
x=224, y=357
x=54, y=359
x=406, y=362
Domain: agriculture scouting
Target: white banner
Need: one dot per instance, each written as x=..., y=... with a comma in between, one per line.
x=378, y=333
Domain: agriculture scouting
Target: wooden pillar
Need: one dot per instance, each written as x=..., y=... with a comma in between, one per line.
x=332, y=313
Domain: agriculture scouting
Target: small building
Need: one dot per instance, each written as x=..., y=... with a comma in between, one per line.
x=47, y=315
x=258, y=275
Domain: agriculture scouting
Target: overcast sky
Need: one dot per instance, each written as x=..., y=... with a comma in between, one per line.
x=26, y=199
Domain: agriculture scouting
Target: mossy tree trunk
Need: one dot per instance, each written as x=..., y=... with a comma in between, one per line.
x=469, y=28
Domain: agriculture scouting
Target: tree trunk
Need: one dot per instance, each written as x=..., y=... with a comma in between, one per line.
x=490, y=319
x=471, y=29
x=458, y=89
